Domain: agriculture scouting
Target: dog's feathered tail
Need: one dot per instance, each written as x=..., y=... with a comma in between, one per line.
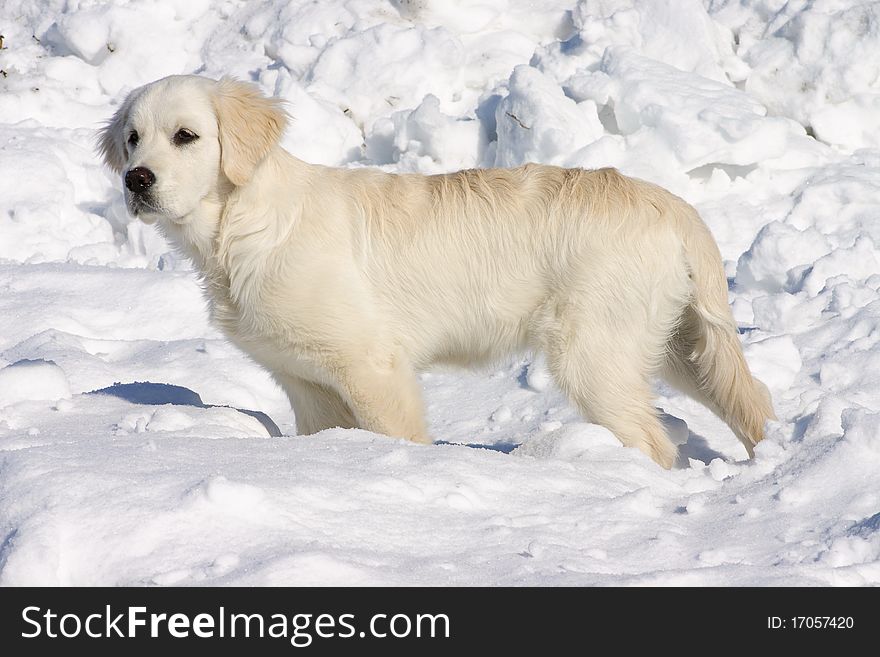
x=705, y=358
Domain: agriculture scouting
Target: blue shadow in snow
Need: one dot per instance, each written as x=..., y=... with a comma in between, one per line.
x=523, y=377
x=504, y=448
x=159, y=394
x=866, y=527
x=696, y=448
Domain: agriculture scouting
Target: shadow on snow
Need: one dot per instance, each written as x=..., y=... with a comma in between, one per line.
x=159, y=394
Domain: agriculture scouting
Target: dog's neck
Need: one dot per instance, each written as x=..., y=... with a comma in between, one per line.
x=199, y=235
x=195, y=235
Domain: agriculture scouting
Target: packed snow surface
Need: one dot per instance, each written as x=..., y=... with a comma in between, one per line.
x=764, y=114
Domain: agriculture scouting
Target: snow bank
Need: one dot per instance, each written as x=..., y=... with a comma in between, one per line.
x=814, y=62
x=32, y=380
x=537, y=122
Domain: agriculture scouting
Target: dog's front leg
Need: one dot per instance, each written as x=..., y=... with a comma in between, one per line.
x=316, y=406
x=385, y=397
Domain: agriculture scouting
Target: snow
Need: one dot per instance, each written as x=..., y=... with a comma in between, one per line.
x=32, y=380
x=764, y=114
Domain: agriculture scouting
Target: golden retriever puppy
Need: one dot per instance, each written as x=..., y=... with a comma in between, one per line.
x=344, y=283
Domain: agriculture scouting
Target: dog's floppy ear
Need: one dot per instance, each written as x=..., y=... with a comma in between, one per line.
x=250, y=124
x=111, y=141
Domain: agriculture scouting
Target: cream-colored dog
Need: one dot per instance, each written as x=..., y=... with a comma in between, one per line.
x=344, y=283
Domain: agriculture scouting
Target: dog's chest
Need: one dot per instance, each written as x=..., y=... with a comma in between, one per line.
x=279, y=346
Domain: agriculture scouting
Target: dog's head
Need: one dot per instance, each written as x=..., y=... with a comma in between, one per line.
x=183, y=140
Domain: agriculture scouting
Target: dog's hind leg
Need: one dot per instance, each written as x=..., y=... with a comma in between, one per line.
x=607, y=375
x=606, y=340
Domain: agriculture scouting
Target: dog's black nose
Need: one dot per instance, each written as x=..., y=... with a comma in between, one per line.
x=139, y=179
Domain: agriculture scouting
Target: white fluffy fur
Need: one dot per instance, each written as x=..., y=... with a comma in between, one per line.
x=346, y=282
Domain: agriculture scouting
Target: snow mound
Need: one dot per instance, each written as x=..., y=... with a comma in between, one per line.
x=32, y=380
x=816, y=62
x=537, y=122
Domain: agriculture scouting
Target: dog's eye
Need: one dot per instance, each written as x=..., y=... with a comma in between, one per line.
x=184, y=136
x=133, y=138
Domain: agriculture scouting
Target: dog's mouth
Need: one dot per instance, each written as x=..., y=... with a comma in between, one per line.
x=149, y=211
x=142, y=205
x=139, y=203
